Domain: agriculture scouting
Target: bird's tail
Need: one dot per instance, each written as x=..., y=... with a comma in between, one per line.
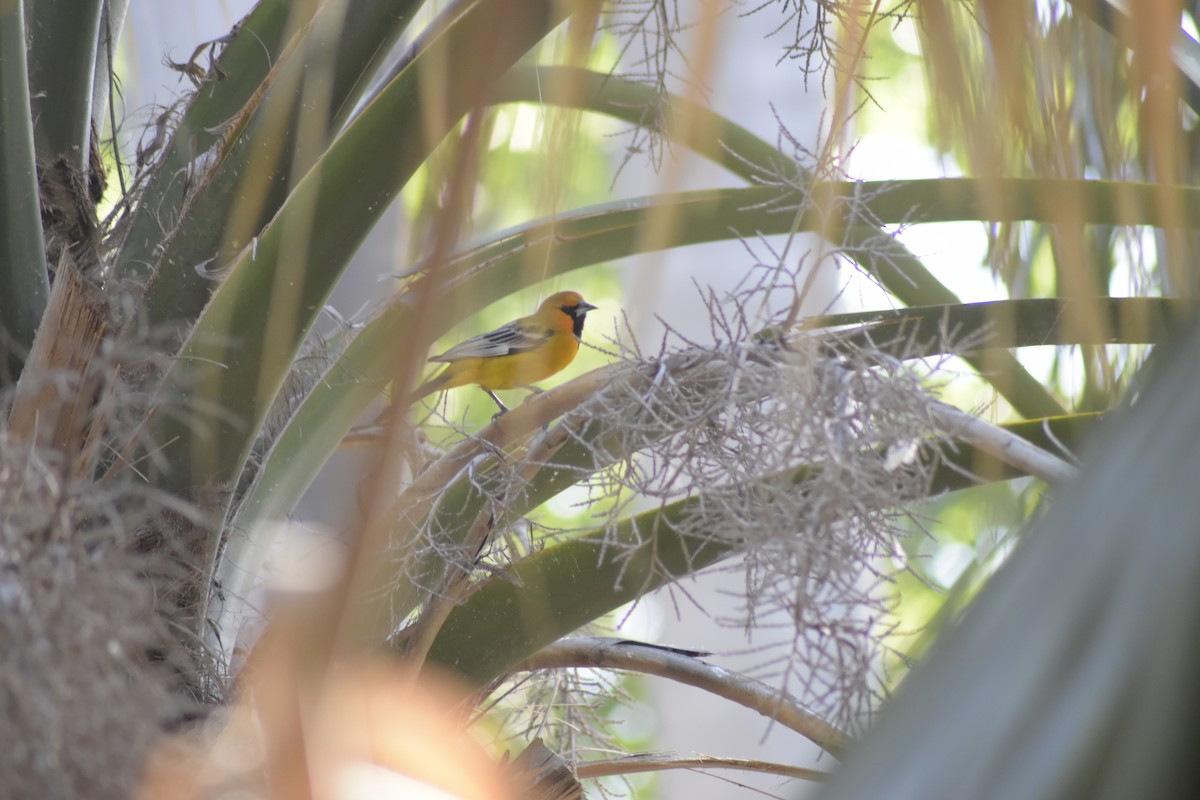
x=434, y=384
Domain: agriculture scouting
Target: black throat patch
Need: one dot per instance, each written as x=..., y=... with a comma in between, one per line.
x=577, y=321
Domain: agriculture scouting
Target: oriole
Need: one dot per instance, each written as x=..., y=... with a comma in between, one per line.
x=516, y=355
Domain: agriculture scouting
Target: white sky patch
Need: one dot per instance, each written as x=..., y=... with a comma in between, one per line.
x=1189, y=26
x=526, y=128
x=953, y=251
x=905, y=36
x=1039, y=361
x=570, y=501
x=949, y=562
x=888, y=156
x=1130, y=275
x=645, y=619
x=502, y=128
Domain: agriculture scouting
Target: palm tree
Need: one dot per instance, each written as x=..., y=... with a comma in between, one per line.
x=169, y=400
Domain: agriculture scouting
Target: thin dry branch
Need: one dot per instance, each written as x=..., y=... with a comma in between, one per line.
x=1005, y=446
x=680, y=666
x=657, y=762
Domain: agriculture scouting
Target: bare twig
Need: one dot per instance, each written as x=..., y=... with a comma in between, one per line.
x=1005, y=446
x=656, y=762
x=607, y=653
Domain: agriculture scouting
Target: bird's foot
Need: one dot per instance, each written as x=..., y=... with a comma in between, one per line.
x=503, y=408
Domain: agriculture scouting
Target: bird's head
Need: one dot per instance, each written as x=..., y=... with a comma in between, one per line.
x=573, y=305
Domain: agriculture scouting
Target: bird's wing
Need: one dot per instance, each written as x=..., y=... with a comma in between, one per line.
x=519, y=336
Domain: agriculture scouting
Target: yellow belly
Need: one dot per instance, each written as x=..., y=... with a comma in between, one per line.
x=509, y=372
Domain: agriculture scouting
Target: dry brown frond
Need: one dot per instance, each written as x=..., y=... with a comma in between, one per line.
x=98, y=642
x=80, y=702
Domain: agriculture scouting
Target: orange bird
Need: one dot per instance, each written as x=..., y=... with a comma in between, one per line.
x=516, y=355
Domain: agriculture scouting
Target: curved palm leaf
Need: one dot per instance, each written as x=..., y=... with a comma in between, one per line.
x=277, y=134
x=236, y=357
x=24, y=285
